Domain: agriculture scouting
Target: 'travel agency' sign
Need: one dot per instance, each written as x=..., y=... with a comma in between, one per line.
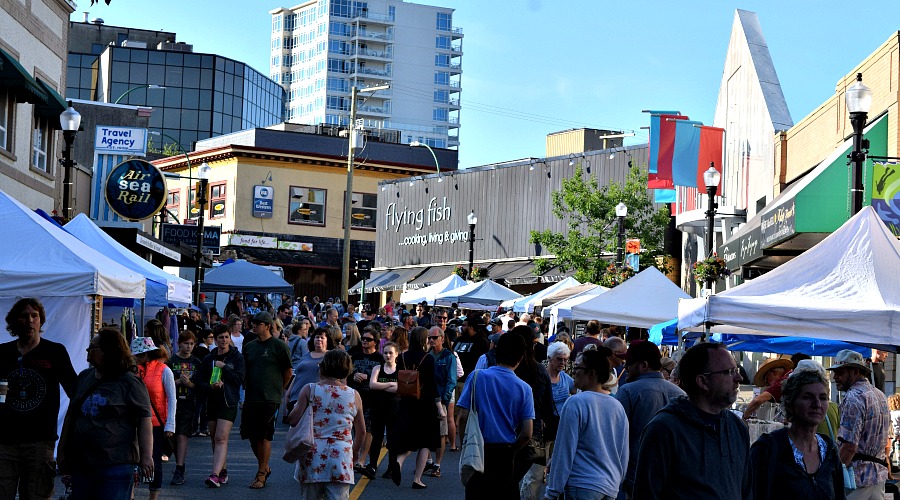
x=136, y=190
x=120, y=140
x=419, y=220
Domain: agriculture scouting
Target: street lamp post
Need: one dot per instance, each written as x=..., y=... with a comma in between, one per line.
x=132, y=89
x=348, y=197
x=859, y=99
x=416, y=144
x=711, y=179
x=621, y=213
x=70, y=121
x=472, y=221
x=203, y=174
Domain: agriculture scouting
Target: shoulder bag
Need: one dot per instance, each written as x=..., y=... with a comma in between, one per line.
x=408, y=385
x=472, y=457
x=300, y=438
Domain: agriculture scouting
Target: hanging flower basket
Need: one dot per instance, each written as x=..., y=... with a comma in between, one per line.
x=710, y=269
x=614, y=276
x=461, y=271
x=479, y=273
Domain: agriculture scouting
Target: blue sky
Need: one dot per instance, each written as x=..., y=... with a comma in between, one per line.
x=532, y=67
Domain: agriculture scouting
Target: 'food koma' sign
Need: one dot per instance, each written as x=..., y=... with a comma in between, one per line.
x=136, y=189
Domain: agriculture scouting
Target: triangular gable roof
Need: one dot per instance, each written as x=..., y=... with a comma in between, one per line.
x=243, y=276
x=526, y=304
x=430, y=292
x=844, y=288
x=162, y=287
x=44, y=260
x=644, y=300
x=477, y=295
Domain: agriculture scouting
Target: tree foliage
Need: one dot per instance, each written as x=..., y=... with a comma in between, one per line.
x=588, y=245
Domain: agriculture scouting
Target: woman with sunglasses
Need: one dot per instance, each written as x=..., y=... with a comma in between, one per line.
x=365, y=359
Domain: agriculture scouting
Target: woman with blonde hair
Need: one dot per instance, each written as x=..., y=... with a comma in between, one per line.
x=351, y=340
x=400, y=337
x=235, y=327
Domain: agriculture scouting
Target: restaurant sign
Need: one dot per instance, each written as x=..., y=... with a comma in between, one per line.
x=136, y=190
x=778, y=224
x=744, y=250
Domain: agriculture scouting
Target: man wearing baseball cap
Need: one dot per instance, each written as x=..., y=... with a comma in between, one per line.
x=645, y=394
x=865, y=423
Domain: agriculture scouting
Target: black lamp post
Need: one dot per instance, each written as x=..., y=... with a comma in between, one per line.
x=859, y=99
x=203, y=173
x=711, y=179
x=472, y=221
x=621, y=213
x=70, y=121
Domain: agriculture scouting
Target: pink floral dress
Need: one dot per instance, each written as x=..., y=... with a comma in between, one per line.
x=330, y=460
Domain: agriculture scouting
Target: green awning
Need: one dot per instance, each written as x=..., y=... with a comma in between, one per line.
x=14, y=77
x=54, y=106
x=819, y=203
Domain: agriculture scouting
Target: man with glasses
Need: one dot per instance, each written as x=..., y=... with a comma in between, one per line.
x=365, y=359
x=695, y=447
x=645, y=394
x=445, y=378
x=439, y=316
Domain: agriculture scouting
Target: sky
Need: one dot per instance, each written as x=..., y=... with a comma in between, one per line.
x=533, y=67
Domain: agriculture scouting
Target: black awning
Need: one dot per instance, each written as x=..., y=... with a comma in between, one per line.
x=387, y=281
x=431, y=276
x=54, y=106
x=555, y=274
x=278, y=257
x=514, y=273
x=20, y=83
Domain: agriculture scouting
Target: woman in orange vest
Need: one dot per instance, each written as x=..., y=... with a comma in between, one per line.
x=160, y=382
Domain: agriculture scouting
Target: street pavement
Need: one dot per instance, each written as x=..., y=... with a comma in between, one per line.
x=242, y=469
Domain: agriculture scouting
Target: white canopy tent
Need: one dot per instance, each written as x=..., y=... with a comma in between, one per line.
x=563, y=309
x=428, y=293
x=479, y=295
x=528, y=303
x=644, y=300
x=844, y=288
x=45, y=262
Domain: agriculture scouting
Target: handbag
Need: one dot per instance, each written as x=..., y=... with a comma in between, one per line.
x=849, y=473
x=300, y=438
x=168, y=444
x=408, y=385
x=472, y=457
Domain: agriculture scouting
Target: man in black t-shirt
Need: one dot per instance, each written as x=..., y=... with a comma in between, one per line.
x=34, y=368
x=470, y=345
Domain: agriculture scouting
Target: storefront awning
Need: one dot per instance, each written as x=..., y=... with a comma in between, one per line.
x=514, y=273
x=813, y=207
x=431, y=276
x=54, y=106
x=555, y=274
x=15, y=78
x=387, y=281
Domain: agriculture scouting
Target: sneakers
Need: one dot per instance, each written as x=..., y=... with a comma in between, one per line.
x=429, y=465
x=223, y=476
x=213, y=481
x=178, y=477
x=435, y=471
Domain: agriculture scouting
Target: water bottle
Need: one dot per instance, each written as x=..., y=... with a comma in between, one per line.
x=216, y=375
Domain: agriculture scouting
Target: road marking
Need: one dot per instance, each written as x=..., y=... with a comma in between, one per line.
x=364, y=481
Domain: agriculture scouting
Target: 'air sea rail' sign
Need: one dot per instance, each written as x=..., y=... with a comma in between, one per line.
x=136, y=189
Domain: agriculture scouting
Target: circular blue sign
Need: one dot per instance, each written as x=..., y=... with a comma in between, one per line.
x=136, y=189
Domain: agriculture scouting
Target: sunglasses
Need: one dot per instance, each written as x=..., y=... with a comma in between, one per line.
x=433, y=337
x=368, y=339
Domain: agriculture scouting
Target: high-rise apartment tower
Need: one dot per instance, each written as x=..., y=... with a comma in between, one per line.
x=322, y=48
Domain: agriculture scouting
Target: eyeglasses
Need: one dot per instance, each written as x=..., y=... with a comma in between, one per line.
x=730, y=372
x=433, y=337
x=441, y=318
x=367, y=339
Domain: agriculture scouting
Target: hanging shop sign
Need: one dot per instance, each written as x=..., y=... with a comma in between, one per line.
x=246, y=240
x=263, y=201
x=120, y=140
x=136, y=189
x=176, y=234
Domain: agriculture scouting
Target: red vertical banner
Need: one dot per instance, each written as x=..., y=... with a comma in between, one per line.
x=666, y=146
x=711, y=139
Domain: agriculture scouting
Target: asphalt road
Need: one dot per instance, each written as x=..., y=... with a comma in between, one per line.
x=242, y=468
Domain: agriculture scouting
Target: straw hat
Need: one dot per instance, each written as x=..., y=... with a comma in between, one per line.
x=759, y=379
x=140, y=345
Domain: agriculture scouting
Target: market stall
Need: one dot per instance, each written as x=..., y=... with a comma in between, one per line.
x=482, y=295
x=428, y=293
x=643, y=300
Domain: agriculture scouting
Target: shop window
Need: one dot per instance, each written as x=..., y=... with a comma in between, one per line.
x=307, y=206
x=6, y=121
x=173, y=204
x=363, y=211
x=40, y=144
x=217, y=198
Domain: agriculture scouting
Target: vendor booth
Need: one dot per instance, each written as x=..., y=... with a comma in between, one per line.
x=429, y=293
x=482, y=295
x=527, y=304
x=644, y=300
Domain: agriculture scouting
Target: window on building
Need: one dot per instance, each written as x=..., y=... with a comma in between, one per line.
x=276, y=43
x=442, y=96
x=173, y=203
x=444, y=21
x=363, y=211
x=442, y=42
x=40, y=144
x=442, y=60
x=440, y=114
x=276, y=23
x=307, y=206
x=6, y=120
x=217, y=199
x=441, y=78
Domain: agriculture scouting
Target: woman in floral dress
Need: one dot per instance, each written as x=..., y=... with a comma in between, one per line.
x=327, y=469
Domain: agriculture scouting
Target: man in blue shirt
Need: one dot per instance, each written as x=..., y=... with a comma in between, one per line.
x=505, y=408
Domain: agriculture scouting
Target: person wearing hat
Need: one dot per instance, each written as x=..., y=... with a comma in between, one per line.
x=496, y=327
x=268, y=372
x=769, y=375
x=160, y=382
x=646, y=393
x=865, y=425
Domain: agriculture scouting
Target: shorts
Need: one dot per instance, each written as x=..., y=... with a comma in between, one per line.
x=443, y=424
x=184, y=417
x=258, y=420
x=218, y=409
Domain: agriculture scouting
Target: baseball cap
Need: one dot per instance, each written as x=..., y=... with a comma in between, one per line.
x=496, y=321
x=263, y=317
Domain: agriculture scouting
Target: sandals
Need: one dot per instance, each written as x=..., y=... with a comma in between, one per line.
x=260, y=481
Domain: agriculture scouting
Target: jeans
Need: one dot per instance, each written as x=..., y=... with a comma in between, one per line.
x=113, y=482
x=28, y=467
x=496, y=482
x=876, y=491
x=326, y=491
x=573, y=493
x=159, y=437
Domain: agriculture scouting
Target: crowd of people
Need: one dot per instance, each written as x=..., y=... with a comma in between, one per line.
x=593, y=417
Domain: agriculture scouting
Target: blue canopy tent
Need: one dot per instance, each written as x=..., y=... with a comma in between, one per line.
x=243, y=276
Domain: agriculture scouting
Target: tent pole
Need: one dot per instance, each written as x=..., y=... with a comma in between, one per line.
x=140, y=327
